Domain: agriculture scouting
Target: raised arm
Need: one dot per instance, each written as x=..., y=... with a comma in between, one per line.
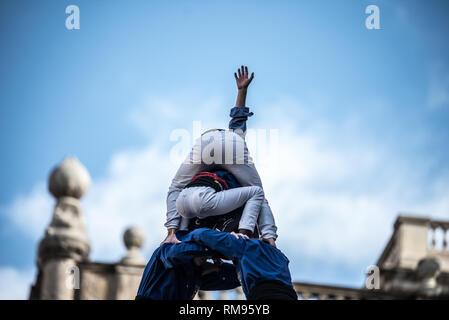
x=243, y=82
x=240, y=113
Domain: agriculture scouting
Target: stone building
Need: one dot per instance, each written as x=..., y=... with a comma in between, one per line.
x=413, y=265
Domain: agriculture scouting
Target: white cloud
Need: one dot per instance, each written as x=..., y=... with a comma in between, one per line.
x=133, y=193
x=338, y=202
x=32, y=212
x=333, y=202
x=15, y=284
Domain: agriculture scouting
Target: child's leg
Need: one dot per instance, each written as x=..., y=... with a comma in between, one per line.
x=204, y=202
x=223, y=202
x=190, y=201
x=247, y=175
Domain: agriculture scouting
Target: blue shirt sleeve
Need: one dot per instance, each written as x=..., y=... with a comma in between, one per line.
x=179, y=253
x=239, y=115
x=222, y=242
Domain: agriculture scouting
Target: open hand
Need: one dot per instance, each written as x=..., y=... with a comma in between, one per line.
x=270, y=241
x=237, y=235
x=242, y=79
x=171, y=238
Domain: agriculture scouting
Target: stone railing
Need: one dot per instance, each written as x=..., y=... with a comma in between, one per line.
x=413, y=239
x=438, y=235
x=305, y=291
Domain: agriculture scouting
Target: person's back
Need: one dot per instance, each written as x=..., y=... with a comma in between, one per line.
x=163, y=282
x=259, y=264
x=175, y=273
x=262, y=261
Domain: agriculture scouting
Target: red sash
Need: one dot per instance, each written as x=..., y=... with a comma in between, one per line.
x=212, y=175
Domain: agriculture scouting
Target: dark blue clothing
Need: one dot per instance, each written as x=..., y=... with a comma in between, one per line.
x=228, y=177
x=171, y=274
x=239, y=116
x=255, y=260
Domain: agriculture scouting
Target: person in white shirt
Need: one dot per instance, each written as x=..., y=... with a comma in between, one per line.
x=227, y=150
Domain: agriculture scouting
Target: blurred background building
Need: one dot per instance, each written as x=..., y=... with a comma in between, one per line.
x=361, y=117
x=410, y=267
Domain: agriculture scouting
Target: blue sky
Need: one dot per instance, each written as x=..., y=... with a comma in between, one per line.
x=362, y=115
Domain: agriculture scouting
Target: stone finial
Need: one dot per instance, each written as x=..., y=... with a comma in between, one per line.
x=133, y=239
x=66, y=235
x=70, y=179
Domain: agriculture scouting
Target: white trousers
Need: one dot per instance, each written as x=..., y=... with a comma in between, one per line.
x=206, y=154
x=203, y=202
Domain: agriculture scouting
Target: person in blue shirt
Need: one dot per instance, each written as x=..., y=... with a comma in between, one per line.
x=178, y=271
x=262, y=268
x=174, y=271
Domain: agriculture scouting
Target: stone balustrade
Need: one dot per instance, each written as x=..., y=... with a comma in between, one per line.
x=438, y=233
x=306, y=291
